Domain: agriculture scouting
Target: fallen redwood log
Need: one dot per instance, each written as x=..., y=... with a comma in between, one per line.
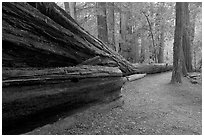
x=30, y=93
x=30, y=76
x=153, y=68
x=44, y=35
x=135, y=77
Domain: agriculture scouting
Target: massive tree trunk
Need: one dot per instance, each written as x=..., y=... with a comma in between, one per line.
x=72, y=10
x=186, y=43
x=30, y=94
x=40, y=42
x=102, y=22
x=44, y=35
x=177, y=49
x=111, y=24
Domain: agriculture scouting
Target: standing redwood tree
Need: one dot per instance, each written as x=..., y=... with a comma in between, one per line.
x=186, y=42
x=101, y=21
x=177, y=49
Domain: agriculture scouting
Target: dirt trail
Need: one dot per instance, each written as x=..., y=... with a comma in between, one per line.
x=149, y=106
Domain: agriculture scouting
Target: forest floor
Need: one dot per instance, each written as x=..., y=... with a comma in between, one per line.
x=149, y=106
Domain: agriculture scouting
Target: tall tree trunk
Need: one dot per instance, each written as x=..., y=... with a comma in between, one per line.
x=160, y=23
x=111, y=25
x=72, y=10
x=66, y=6
x=129, y=38
x=122, y=47
x=152, y=36
x=161, y=48
x=177, y=49
x=186, y=39
x=101, y=21
x=144, y=55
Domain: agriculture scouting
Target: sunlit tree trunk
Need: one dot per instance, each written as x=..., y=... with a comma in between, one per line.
x=102, y=22
x=72, y=10
x=192, y=34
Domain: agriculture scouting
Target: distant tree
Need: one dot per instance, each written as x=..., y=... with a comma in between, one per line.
x=102, y=22
x=111, y=24
x=154, y=56
x=123, y=32
x=160, y=28
x=195, y=27
x=66, y=6
x=72, y=10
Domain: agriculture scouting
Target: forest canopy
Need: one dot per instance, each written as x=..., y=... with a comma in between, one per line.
x=142, y=32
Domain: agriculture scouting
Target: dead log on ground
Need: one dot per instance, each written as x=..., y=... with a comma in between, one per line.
x=29, y=93
x=153, y=68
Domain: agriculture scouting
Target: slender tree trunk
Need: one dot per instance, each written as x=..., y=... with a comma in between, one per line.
x=186, y=39
x=160, y=28
x=101, y=21
x=152, y=36
x=161, y=46
x=72, y=10
x=129, y=38
x=111, y=24
x=144, y=50
x=135, y=49
x=177, y=58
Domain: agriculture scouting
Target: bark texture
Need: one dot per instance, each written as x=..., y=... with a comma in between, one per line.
x=186, y=43
x=177, y=49
x=111, y=24
x=102, y=22
x=44, y=35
